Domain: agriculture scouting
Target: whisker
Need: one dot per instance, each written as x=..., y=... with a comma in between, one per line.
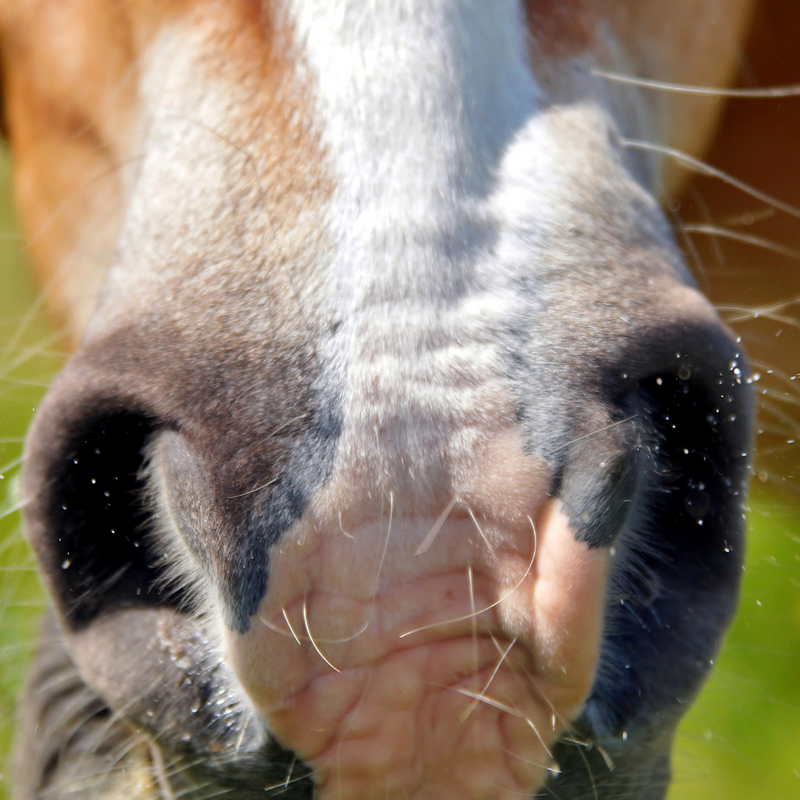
x=746, y=238
x=700, y=201
x=483, y=536
x=252, y=491
x=769, y=311
x=774, y=410
x=465, y=716
x=790, y=90
x=311, y=639
x=289, y=772
x=595, y=433
x=9, y=465
x=697, y=263
x=489, y=701
x=555, y=717
x=791, y=382
x=290, y=634
x=385, y=543
x=113, y=170
x=289, y=624
x=783, y=397
x=496, y=603
x=589, y=772
x=474, y=621
x=26, y=354
x=606, y=757
x=747, y=315
x=285, y=783
x=749, y=217
x=437, y=526
x=553, y=768
x=24, y=329
x=7, y=509
x=776, y=430
x=701, y=168
x=341, y=528
x=160, y=772
x=539, y=737
x=284, y=425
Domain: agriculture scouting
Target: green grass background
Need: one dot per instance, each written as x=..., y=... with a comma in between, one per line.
x=741, y=740
x=27, y=361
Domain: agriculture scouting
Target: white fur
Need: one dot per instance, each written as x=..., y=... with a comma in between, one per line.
x=415, y=104
x=454, y=179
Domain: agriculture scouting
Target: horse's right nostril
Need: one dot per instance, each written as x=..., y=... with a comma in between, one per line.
x=696, y=414
x=88, y=507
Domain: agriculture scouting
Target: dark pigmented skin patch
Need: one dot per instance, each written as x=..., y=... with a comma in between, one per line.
x=262, y=421
x=182, y=708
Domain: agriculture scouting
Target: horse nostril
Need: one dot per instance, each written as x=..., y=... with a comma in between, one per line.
x=698, y=502
x=677, y=556
x=668, y=408
x=88, y=515
x=698, y=418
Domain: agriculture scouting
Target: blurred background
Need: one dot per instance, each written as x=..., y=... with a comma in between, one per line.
x=29, y=357
x=742, y=739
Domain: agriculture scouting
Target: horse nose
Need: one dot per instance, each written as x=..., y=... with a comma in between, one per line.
x=89, y=504
x=638, y=401
x=631, y=392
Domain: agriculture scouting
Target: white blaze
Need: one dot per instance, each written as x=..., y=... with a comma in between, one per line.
x=417, y=103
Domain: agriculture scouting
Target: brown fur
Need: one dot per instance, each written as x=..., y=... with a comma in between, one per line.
x=562, y=29
x=71, y=103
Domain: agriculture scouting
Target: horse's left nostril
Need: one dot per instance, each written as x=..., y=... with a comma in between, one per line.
x=696, y=415
x=665, y=409
x=651, y=460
